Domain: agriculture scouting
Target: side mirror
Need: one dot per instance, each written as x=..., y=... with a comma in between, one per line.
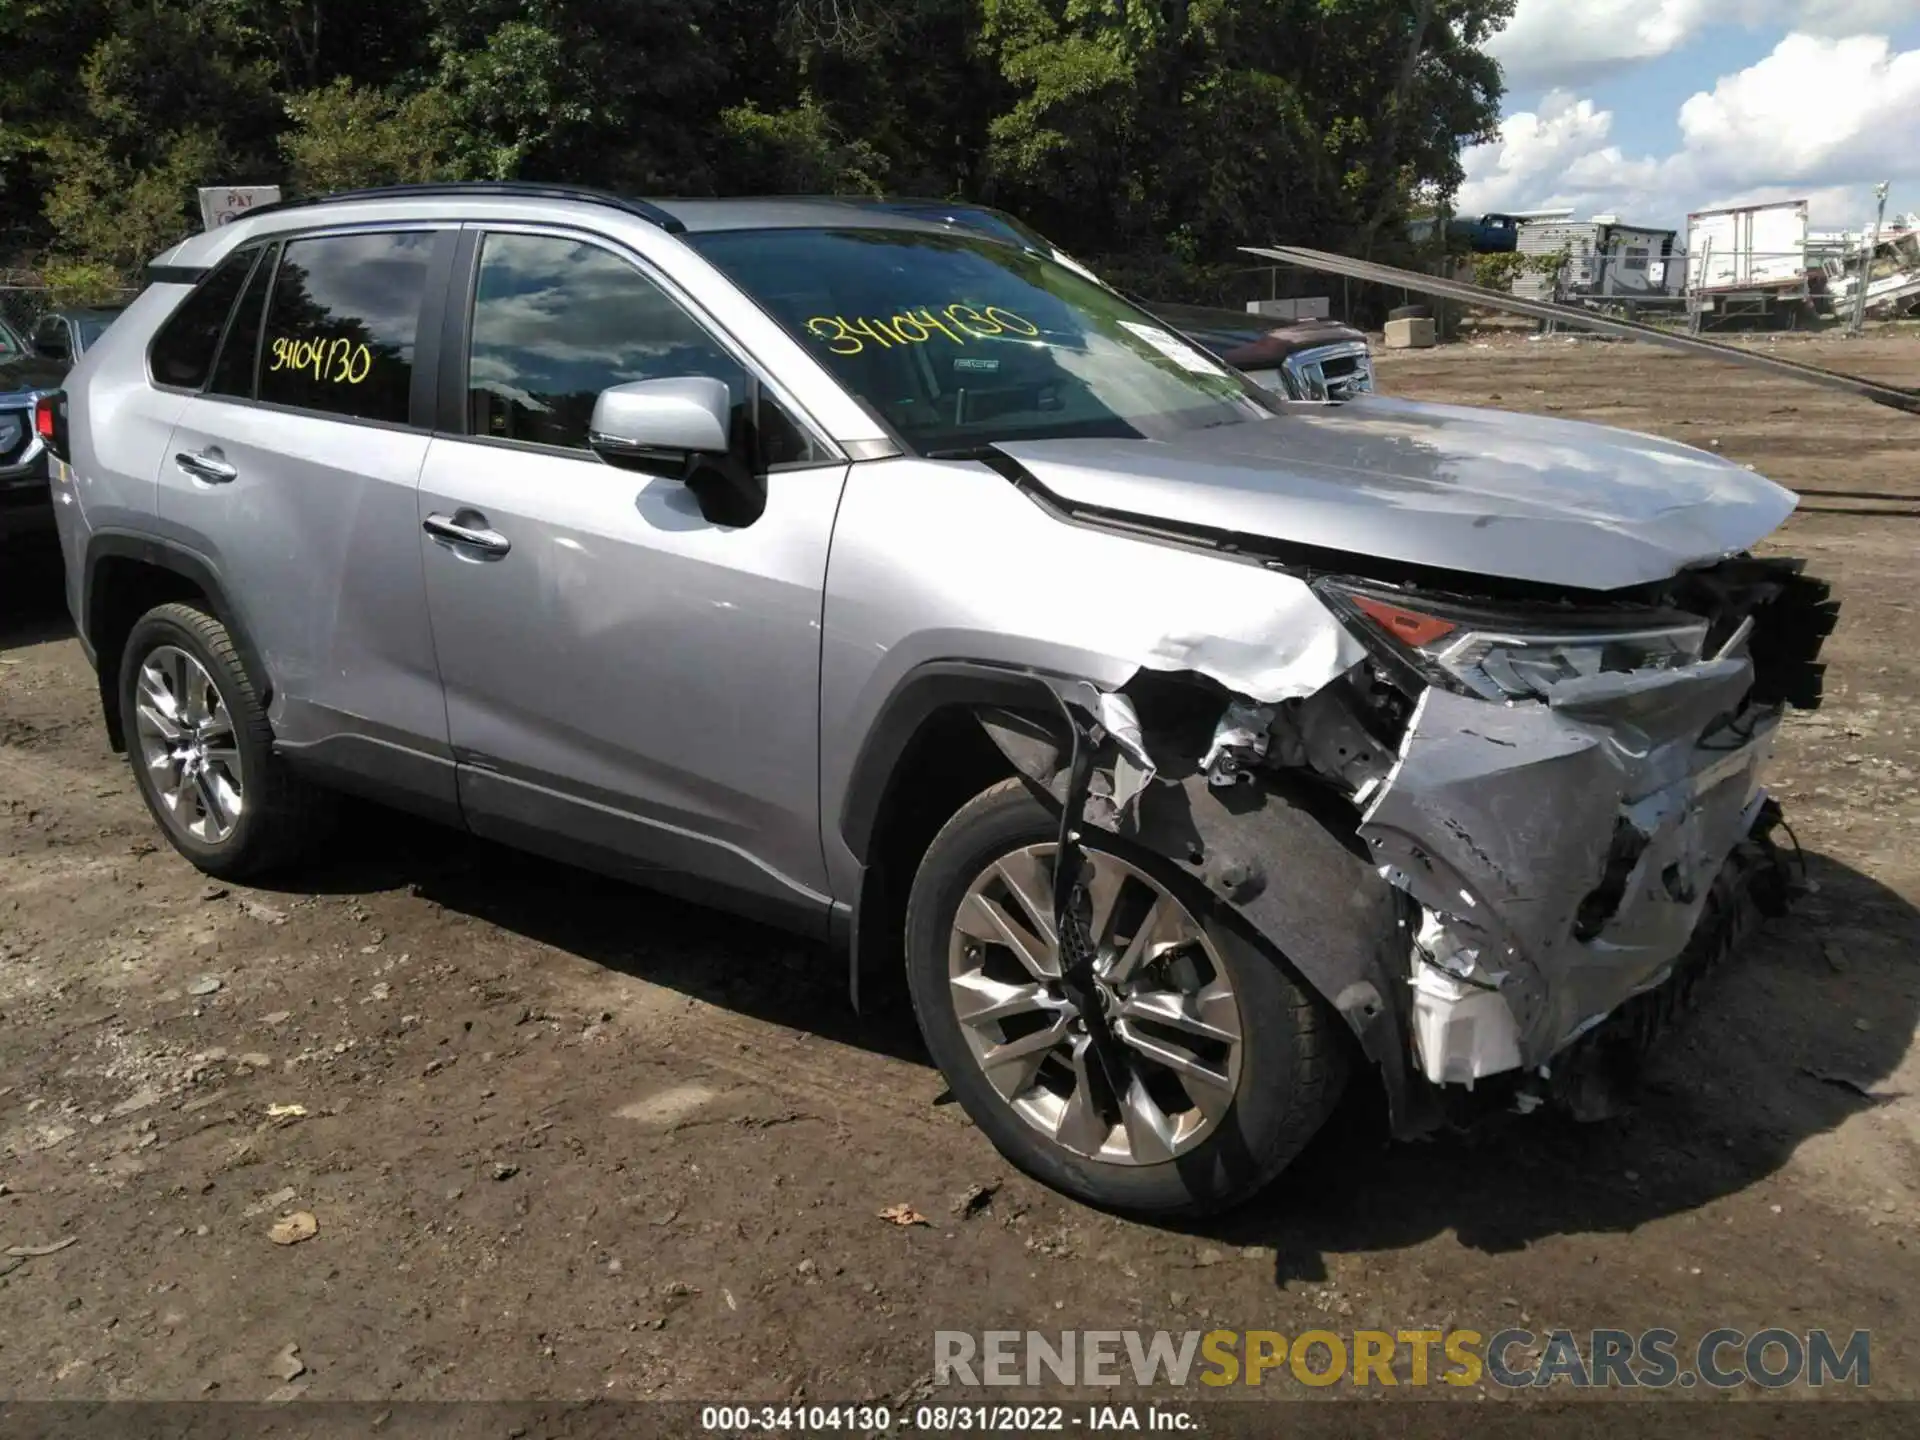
x=659, y=425
x=682, y=429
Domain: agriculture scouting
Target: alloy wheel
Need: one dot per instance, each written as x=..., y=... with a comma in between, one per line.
x=188, y=744
x=1166, y=995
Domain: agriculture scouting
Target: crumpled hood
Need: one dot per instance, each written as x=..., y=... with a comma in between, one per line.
x=1487, y=492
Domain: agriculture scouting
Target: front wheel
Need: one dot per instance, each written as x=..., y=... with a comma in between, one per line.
x=1227, y=1064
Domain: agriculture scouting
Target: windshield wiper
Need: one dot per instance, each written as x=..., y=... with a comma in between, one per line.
x=965, y=452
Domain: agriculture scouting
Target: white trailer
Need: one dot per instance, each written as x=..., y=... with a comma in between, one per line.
x=1753, y=252
x=1606, y=260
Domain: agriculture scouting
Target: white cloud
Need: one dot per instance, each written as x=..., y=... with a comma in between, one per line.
x=1552, y=42
x=1812, y=110
x=1568, y=42
x=1819, y=118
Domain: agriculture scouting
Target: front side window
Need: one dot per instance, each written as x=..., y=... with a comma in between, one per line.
x=341, y=324
x=556, y=321
x=957, y=342
x=182, y=352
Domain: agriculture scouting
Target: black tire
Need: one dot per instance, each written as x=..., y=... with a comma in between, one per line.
x=280, y=812
x=1292, y=1065
x=1411, y=312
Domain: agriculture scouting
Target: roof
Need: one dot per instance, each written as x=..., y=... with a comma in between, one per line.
x=187, y=261
x=676, y=214
x=788, y=212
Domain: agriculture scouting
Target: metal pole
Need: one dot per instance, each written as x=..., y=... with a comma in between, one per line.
x=1898, y=397
x=1695, y=287
x=1866, y=263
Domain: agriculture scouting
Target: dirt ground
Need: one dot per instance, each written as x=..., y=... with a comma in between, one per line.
x=562, y=1138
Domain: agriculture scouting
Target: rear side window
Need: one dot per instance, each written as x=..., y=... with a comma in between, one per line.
x=233, y=372
x=182, y=352
x=341, y=324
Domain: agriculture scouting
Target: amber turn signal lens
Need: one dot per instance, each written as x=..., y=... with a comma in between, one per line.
x=1409, y=627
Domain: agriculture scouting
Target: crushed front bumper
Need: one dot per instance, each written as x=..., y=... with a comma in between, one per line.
x=1563, y=854
x=1480, y=889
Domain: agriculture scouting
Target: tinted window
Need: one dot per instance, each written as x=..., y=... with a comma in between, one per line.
x=9, y=342
x=233, y=372
x=341, y=323
x=92, y=327
x=182, y=352
x=958, y=342
x=555, y=322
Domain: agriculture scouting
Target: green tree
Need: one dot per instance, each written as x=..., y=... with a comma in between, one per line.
x=1215, y=122
x=1151, y=136
x=167, y=100
x=796, y=151
x=620, y=94
x=344, y=135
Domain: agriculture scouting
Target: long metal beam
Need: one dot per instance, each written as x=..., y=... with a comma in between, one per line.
x=1895, y=396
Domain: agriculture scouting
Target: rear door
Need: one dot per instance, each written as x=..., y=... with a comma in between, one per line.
x=627, y=682
x=294, y=473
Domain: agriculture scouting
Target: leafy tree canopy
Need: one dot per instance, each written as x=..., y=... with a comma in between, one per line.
x=1151, y=135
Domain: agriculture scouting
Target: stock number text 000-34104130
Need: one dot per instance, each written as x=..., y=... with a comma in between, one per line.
x=340, y=361
x=956, y=323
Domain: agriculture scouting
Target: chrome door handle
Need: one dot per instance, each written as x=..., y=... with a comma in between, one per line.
x=206, y=465
x=446, y=527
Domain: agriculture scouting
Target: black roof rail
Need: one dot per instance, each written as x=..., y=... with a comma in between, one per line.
x=506, y=189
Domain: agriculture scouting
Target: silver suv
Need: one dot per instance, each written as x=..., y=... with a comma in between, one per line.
x=1188, y=750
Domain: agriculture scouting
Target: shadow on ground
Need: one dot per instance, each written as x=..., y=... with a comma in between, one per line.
x=1772, y=1056
x=33, y=608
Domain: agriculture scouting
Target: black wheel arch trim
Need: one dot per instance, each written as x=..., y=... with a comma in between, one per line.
x=189, y=565
x=1345, y=951
x=928, y=688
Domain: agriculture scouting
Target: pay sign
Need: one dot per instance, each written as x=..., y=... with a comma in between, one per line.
x=223, y=204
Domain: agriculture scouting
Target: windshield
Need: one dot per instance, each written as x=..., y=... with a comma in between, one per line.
x=91, y=328
x=957, y=341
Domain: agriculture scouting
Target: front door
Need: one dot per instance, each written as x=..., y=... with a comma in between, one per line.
x=627, y=682
x=293, y=472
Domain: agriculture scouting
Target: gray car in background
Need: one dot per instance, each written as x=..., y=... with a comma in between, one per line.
x=1187, y=751
x=29, y=368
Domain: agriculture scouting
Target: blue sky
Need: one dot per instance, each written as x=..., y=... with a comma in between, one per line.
x=1652, y=108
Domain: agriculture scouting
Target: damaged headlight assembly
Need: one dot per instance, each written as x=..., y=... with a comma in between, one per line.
x=1508, y=656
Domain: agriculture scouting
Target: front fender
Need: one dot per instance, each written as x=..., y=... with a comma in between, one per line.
x=1289, y=868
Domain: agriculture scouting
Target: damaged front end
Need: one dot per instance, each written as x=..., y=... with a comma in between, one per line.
x=1504, y=843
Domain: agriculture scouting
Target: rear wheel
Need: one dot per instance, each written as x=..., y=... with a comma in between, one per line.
x=1227, y=1064
x=201, y=748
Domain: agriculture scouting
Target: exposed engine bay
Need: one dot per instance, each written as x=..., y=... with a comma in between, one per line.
x=1529, y=818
